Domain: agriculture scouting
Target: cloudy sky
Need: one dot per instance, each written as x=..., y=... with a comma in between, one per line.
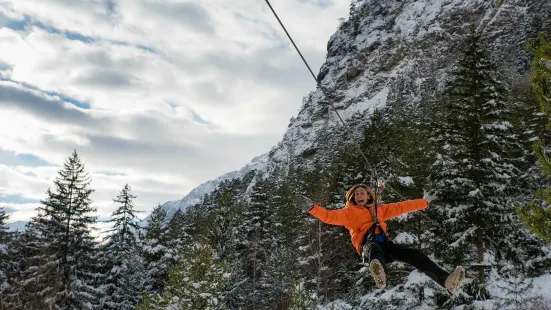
x=160, y=94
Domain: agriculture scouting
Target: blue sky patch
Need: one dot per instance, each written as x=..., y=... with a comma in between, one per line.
x=78, y=37
x=172, y=106
x=12, y=159
x=198, y=119
x=26, y=21
x=16, y=199
x=147, y=49
x=103, y=218
x=69, y=34
x=17, y=24
x=80, y=104
x=110, y=7
x=14, y=24
x=77, y=103
x=324, y=4
x=4, y=66
x=31, y=160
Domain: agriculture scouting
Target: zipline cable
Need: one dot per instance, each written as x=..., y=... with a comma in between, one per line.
x=319, y=85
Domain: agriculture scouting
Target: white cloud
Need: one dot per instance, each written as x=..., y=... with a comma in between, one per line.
x=21, y=211
x=174, y=93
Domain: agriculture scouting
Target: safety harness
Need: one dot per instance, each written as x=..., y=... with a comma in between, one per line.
x=372, y=231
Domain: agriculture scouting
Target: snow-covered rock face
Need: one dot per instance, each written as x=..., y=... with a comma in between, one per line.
x=197, y=194
x=391, y=46
x=385, y=48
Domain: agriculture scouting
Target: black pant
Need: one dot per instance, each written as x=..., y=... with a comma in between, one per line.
x=387, y=252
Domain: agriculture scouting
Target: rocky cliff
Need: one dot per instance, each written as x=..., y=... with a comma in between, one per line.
x=388, y=47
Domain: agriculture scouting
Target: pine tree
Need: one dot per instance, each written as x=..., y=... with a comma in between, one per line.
x=474, y=171
x=236, y=291
x=302, y=297
x=218, y=219
x=225, y=216
x=538, y=216
x=59, y=249
x=177, y=235
x=288, y=219
x=282, y=266
x=223, y=223
x=156, y=249
x=195, y=282
x=124, y=281
x=12, y=269
x=257, y=237
x=280, y=274
x=4, y=257
x=377, y=146
x=529, y=125
x=540, y=47
x=27, y=281
x=325, y=253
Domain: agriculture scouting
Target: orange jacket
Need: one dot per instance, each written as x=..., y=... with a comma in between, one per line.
x=358, y=219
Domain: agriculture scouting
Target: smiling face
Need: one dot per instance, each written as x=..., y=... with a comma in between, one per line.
x=361, y=196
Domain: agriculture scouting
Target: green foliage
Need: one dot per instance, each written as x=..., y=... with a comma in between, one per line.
x=196, y=282
x=477, y=173
x=155, y=249
x=63, y=244
x=222, y=221
x=125, y=222
x=125, y=278
x=540, y=47
x=537, y=215
x=301, y=297
x=4, y=256
x=280, y=273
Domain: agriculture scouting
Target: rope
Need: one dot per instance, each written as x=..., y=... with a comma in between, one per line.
x=348, y=131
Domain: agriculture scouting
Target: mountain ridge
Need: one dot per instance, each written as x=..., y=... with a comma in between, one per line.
x=384, y=46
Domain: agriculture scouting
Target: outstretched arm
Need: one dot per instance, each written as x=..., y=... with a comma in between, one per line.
x=391, y=210
x=333, y=217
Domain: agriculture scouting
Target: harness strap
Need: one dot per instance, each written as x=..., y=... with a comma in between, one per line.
x=375, y=219
x=372, y=230
x=376, y=223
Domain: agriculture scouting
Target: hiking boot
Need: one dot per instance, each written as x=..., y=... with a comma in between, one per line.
x=454, y=279
x=378, y=273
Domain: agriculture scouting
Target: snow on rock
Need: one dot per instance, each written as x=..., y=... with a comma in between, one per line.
x=542, y=286
x=406, y=181
x=197, y=194
x=382, y=46
x=16, y=226
x=405, y=238
x=336, y=305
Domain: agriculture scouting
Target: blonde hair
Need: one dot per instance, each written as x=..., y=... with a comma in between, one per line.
x=350, y=194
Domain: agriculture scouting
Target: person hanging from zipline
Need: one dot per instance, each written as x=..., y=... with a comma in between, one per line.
x=366, y=223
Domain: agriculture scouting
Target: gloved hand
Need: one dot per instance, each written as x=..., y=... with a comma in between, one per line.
x=429, y=197
x=303, y=203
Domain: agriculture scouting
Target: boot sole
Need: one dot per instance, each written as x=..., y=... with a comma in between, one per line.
x=378, y=274
x=457, y=280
